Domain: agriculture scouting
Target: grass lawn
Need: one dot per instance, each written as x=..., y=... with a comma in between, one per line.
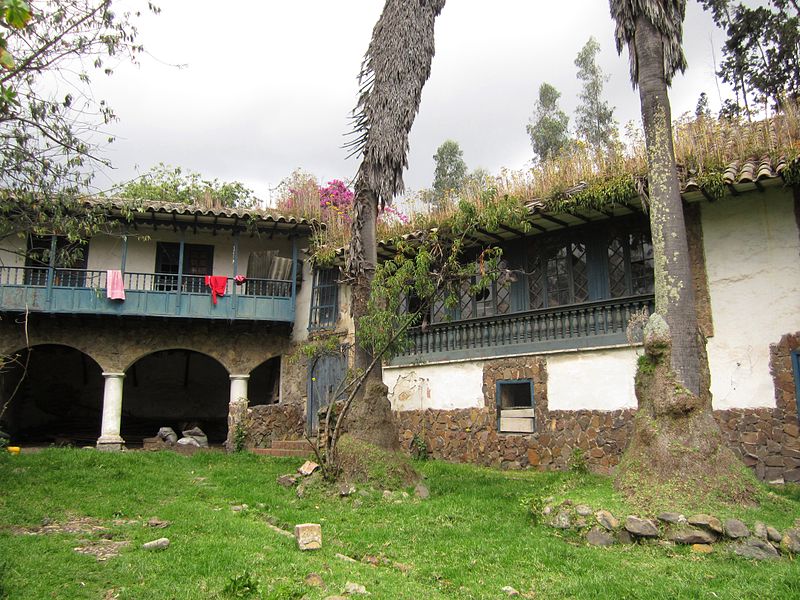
x=471, y=538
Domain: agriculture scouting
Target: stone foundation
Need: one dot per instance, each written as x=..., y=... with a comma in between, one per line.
x=267, y=423
x=763, y=439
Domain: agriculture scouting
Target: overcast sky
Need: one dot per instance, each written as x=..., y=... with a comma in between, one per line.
x=267, y=87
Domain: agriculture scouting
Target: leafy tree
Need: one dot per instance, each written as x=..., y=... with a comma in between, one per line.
x=48, y=149
x=672, y=383
x=701, y=110
x=174, y=184
x=548, y=131
x=450, y=170
x=395, y=68
x=594, y=119
x=761, y=57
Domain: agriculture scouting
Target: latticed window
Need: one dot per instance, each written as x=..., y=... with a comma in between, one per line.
x=324, y=299
x=630, y=265
x=558, y=276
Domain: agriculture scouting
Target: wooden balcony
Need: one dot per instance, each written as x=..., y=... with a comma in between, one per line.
x=587, y=325
x=80, y=291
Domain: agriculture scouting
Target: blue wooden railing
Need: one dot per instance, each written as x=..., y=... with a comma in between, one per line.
x=600, y=323
x=82, y=291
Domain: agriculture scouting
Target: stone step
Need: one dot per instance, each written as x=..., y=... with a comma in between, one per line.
x=292, y=445
x=282, y=452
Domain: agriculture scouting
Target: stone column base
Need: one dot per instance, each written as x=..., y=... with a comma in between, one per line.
x=110, y=443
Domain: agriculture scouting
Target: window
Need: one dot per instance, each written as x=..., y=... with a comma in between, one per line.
x=198, y=261
x=324, y=299
x=630, y=265
x=558, y=275
x=515, y=408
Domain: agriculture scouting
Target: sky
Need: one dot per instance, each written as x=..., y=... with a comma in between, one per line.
x=250, y=90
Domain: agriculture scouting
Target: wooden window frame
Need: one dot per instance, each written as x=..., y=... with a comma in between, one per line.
x=324, y=316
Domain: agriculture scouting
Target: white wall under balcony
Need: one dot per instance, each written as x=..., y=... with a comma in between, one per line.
x=752, y=249
x=442, y=387
x=105, y=252
x=11, y=252
x=591, y=379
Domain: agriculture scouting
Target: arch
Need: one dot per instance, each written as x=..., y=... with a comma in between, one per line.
x=265, y=382
x=129, y=361
x=175, y=387
x=55, y=393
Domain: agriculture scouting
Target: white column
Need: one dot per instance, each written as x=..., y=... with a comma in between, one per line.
x=237, y=411
x=110, y=438
x=239, y=387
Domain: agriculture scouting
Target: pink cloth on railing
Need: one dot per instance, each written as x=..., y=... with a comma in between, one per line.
x=115, y=286
x=217, y=283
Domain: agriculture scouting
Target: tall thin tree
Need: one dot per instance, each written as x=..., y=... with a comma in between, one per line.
x=395, y=68
x=676, y=444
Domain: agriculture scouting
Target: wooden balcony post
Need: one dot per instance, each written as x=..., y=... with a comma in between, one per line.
x=51, y=270
x=235, y=271
x=294, y=275
x=110, y=438
x=180, y=275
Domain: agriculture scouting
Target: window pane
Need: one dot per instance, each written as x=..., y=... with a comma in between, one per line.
x=616, y=268
x=641, y=264
x=580, y=277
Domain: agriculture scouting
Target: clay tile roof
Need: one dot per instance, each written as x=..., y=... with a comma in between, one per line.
x=152, y=206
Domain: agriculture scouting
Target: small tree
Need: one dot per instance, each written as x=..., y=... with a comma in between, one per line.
x=450, y=170
x=173, y=184
x=48, y=155
x=594, y=118
x=548, y=130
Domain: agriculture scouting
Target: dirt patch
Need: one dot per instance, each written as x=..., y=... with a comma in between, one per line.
x=74, y=525
x=101, y=549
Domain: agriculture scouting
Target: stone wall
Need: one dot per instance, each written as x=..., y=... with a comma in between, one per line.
x=270, y=422
x=766, y=439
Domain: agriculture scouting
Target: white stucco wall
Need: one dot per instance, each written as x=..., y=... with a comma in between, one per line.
x=592, y=380
x=12, y=251
x=445, y=386
x=752, y=253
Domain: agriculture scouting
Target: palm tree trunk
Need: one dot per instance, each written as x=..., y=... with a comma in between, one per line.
x=677, y=453
x=673, y=276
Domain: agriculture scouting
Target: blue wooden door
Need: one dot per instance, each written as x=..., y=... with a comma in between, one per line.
x=325, y=374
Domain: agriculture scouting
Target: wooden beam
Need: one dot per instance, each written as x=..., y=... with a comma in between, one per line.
x=195, y=223
x=512, y=230
x=490, y=234
x=174, y=222
x=553, y=220
x=214, y=225
x=733, y=190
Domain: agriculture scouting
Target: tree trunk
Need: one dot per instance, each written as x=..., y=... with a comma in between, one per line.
x=673, y=276
x=370, y=418
x=676, y=453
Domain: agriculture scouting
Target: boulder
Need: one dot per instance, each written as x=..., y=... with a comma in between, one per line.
x=346, y=489
x=307, y=468
x=773, y=535
x=641, y=527
x=625, y=537
x=197, y=434
x=308, y=536
x=562, y=520
x=188, y=441
x=159, y=544
x=702, y=548
x=583, y=510
x=599, y=537
x=355, y=589
x=422, y=492
x=168, y=435
x=760, y=530
x=755, y=548
x=707, y=522
x=692, y=536
x=790, y=544
x=287, y=481
x=606, y=519
x=735, y=529
x=671, y=517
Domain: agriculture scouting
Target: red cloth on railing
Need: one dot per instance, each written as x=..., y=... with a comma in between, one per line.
x=217, y=283
x=240, y=279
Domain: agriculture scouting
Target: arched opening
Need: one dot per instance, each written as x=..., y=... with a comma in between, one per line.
x=264, y=386
x=54, y=395
x=175, y=388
